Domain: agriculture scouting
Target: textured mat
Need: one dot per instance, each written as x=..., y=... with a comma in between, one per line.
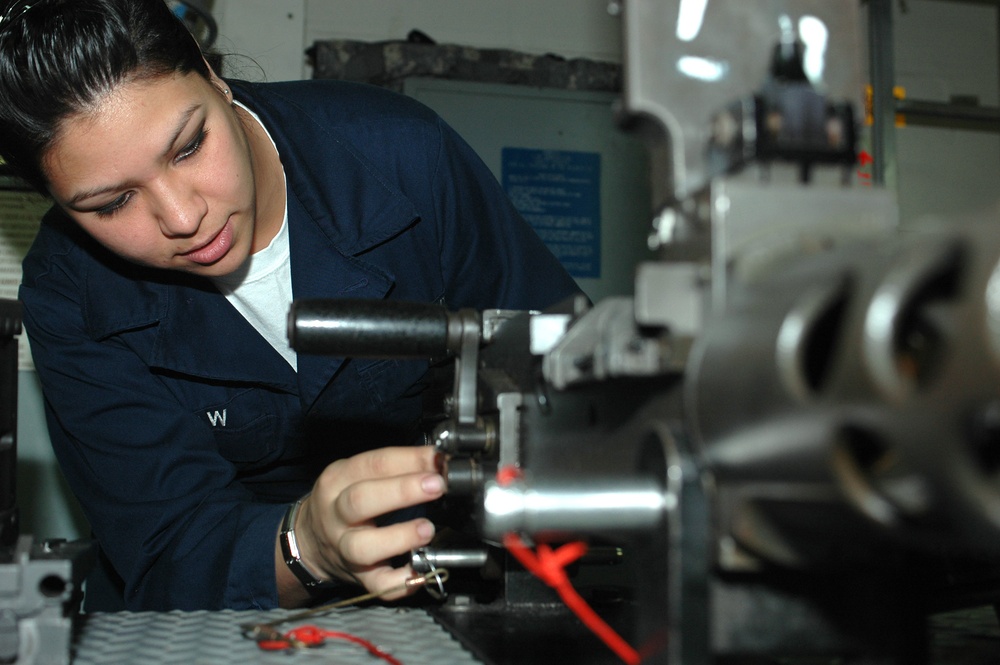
x=214, y=638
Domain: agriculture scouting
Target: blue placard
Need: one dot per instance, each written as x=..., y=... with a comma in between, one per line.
x=558, y=192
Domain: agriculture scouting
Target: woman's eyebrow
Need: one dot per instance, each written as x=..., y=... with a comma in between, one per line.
x=182, y=122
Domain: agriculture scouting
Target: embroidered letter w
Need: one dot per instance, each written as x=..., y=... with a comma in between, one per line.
x=216, y=418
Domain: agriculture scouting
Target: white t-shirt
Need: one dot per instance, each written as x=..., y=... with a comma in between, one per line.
x=261, y=289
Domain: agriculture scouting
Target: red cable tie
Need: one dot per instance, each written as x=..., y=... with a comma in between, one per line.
x=308, y=636
x=274, y=645
x=311, y=636
x=549, y=566
x=506, y=475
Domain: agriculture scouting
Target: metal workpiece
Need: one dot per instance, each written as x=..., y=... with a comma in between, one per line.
x=426, y=559
x=563, y=511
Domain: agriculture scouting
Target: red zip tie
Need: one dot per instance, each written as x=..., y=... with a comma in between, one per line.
x=311, y=636
x=506, y=475
x=549, y=566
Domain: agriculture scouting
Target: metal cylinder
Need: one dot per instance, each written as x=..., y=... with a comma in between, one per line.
x=458, y=438
x=426, y=559
x=467, y=476
x=627, y=506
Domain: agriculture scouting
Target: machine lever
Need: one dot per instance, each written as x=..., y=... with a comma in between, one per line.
x=370, y=328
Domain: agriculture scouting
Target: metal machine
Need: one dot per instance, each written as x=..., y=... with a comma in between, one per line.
x=788, y=441
x=40, y=581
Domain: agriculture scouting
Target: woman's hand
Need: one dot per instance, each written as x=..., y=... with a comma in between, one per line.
x=335, y=528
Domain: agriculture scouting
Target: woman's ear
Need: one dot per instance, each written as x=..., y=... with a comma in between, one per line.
x=211, y=71
x=219, y=84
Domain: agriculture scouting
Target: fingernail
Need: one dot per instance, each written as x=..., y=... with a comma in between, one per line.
x=425, y=529
x=432, y=484
x=439, y=461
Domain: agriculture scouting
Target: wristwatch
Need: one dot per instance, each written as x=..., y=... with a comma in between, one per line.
x=293, y=559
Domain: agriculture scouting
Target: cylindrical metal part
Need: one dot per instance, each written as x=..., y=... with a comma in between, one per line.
x=631, y=506
x=426, y=559
x=458, y=438
x=368, y=328
x=466, y=476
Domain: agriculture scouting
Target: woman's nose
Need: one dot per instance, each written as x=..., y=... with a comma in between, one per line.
x=181, y=209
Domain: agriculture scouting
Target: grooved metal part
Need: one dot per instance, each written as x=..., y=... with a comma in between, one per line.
x=214, y=638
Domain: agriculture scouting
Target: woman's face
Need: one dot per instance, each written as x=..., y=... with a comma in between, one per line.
x=161, y=173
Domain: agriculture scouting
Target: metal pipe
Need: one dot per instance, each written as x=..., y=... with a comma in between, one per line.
x=631, y=506
x=426, y=559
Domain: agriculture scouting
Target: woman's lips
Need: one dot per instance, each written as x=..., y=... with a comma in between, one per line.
x=214, y=249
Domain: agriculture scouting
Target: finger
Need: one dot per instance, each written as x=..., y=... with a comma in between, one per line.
x=368, y=547
x=387, y=462
x=366, y=500
x=389, y=582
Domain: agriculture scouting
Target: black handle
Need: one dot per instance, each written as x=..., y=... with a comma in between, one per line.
x=368, y=328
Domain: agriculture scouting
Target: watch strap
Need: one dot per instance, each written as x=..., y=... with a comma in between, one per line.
x=290, y=553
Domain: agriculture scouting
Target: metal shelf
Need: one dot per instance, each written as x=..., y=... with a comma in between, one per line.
x=885, y=106
x=953, y=116
x=994, y=3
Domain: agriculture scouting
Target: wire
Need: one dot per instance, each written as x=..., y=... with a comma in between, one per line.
x=549, y=566
x=311, y=636
x=267, y=633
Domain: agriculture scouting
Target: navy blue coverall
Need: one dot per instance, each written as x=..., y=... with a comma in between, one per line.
x=182, y=432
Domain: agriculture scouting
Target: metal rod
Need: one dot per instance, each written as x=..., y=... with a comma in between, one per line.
x=951, y=115
x=882, y=69
x=629, y=506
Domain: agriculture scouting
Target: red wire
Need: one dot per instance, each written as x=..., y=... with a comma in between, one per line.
x=311, y=636
x=549, y=566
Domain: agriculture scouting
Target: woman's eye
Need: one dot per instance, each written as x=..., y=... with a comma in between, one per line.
x=193, y=147
x=113, y=207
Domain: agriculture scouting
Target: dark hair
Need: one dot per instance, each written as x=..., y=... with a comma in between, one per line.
x=62, y=57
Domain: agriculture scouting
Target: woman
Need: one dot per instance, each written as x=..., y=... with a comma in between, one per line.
x=188, y=212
